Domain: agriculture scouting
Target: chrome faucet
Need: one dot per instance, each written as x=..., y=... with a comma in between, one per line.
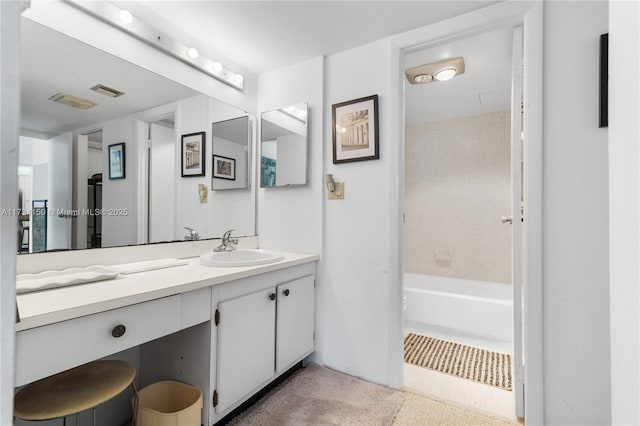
x=193, y=234
x=227, y=243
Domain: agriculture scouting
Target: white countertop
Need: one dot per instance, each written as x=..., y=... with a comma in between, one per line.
x=64, y=303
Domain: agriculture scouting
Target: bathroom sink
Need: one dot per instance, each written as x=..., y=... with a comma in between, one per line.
x=240, y=257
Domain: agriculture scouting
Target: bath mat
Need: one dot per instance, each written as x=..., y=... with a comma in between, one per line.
x=321, y=396
x=466, y=362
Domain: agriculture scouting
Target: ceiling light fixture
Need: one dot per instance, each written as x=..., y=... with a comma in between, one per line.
x=113, y=15
x=436, y=71
x=125, y=17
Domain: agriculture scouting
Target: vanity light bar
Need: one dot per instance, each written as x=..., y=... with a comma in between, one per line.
x=128, y=23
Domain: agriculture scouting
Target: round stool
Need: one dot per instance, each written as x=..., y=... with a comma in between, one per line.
x=73, y=391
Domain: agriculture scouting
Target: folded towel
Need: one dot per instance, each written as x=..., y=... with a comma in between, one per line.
x=26, y=283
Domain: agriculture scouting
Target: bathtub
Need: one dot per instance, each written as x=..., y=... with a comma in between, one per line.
x=472, y=308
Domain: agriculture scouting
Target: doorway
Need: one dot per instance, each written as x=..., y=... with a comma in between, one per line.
x=158, y=137
x=462, y=212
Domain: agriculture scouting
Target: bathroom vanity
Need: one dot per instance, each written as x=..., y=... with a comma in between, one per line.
x=228, y=331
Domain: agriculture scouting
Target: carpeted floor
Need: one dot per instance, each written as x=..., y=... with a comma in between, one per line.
x=320, y=396
x=420, y=411
x=467, y=362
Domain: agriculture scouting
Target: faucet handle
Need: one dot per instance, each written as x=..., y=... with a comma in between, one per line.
x=227, y=235
x=193, y=233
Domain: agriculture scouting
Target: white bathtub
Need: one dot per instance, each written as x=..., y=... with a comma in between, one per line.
x=472, y=308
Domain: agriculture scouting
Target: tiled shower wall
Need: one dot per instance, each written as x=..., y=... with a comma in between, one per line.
x=457, y=186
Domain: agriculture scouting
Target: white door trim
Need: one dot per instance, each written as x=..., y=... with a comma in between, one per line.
x=528, y=14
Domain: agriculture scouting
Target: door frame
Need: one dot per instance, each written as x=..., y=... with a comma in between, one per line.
x=530, y=16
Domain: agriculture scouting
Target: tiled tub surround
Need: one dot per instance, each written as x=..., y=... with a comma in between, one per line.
x=457, y=186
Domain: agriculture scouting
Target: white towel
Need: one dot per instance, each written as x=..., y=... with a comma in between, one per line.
x=26, y=283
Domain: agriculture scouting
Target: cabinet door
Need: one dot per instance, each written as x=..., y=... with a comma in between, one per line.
x=246, y=345
x=295, y=321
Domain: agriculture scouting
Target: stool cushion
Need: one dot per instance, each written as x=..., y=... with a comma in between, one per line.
x=73, y=391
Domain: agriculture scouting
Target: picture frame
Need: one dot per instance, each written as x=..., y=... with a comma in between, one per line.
x=354, y=129
x=192, y=154
x=224, y=167
x=117, y=161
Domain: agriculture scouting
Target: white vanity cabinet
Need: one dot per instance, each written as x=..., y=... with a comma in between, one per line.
x=295, y=322
x=260, y=336
x=246, y=345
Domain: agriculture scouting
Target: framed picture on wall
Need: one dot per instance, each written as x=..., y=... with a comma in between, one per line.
x=224, y=167
x=355, y=130
x=117, y=161
x=192, y=154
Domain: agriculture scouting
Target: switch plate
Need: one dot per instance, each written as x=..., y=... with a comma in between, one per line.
x=338, y=191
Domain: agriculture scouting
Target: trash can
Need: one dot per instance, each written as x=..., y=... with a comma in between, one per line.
x=169, y=403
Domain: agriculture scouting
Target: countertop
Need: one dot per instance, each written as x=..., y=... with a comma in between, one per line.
x=60, y=304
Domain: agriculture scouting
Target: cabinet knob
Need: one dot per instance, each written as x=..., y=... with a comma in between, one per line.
x=286, y=291
x=118, y=331
x=272, y=296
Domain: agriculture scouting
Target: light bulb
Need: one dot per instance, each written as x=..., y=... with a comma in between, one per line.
x=125, y=17
x=216, y=66
x=238, y=78
x=192, y=52
x=423, y=78
x=446, y=74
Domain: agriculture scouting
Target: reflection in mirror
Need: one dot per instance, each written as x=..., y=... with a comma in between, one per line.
x=78, y=100
x=283, y=147
x=231, y=142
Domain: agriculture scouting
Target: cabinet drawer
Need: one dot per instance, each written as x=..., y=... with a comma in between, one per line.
x=43, y=351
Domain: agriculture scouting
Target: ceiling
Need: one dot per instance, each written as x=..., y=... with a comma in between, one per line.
x=265, y=35
x=52, y=62
x=484, y=87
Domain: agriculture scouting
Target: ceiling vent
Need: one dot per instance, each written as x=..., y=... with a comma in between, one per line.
x=107, y=91
x=72, y=101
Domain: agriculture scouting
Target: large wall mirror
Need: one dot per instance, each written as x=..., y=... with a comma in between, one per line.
x=283, y=146
x=101, y=149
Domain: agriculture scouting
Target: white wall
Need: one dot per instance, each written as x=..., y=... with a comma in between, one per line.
x=356, y=267
x=624, y=216
x=94, y=162
x=119, y=230
x=291, y=218
x=162, y=203
x=575, y=219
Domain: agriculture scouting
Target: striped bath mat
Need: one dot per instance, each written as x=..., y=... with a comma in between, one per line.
x=467, y=362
